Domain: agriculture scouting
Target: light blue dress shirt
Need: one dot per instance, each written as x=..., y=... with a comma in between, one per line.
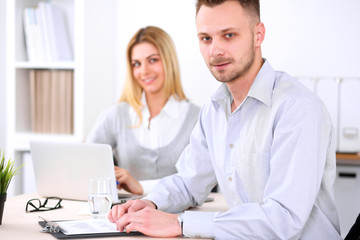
x=274, y=161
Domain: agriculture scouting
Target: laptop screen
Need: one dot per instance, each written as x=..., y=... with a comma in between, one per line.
x=64, y=169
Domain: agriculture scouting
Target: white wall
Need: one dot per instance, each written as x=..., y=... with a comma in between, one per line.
x=2, y=74
x=99, y=63
x=178, y=19
x=313, y=38
x=304, y=38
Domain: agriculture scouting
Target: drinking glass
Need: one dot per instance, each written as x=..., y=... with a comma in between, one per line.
x=100, y=197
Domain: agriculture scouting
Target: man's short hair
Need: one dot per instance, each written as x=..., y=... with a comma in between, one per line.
x=251, y=6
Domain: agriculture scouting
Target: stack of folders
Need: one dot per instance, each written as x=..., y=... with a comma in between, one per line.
x=51, y=94
x=46, y=35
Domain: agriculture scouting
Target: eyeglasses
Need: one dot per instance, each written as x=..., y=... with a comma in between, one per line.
x=35, y=205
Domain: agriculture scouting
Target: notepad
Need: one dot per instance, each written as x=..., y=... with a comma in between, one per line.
x=87, y=226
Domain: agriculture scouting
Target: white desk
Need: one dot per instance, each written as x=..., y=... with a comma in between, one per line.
x=17, y=224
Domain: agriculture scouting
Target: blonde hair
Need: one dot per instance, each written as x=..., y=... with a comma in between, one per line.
x=132, y=91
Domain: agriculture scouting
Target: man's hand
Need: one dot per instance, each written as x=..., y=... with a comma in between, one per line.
x=127, y=181
x=141, y=215
x=130, y=206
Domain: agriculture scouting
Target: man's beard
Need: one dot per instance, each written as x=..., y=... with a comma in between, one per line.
x=224, y=77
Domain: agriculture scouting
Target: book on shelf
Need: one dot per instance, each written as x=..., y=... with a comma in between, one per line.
x=51, y=93
x=39, y=110
x=46, y=33
x=33, y=100
x=45, y=40
x=45, y=80
x=30, y=30
x=55, y=103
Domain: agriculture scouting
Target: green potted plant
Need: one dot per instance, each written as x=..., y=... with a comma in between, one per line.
x=7, y=171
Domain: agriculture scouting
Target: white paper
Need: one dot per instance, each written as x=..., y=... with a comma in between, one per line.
x=88, y=226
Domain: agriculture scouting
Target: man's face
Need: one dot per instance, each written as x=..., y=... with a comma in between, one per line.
x=226, y=40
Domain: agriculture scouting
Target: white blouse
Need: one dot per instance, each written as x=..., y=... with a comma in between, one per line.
x=162, y=129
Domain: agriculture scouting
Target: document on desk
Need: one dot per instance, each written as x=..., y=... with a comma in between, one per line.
x=87, y=226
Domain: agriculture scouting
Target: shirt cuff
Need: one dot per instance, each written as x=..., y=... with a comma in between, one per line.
x=198, y=224
x=147, y=185
x=157, y=200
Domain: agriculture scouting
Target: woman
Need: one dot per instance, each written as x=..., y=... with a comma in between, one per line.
x=151, y=124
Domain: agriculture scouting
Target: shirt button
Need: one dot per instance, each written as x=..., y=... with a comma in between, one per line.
x=231, y=145
x=229, y=178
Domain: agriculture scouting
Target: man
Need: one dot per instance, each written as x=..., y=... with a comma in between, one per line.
x=265, y=138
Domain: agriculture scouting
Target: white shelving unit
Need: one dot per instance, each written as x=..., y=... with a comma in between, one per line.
x=18, y=94
x=94, y=56
x=18, y=101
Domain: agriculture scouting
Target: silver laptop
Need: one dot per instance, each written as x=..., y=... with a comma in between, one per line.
x=64, y=169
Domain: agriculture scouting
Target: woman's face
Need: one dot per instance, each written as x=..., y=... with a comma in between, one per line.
x=147, y=67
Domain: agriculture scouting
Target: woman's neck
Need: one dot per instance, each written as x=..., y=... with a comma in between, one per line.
x=155, y=103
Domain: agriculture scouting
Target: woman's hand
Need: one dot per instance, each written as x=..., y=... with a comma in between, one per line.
x=127, y=181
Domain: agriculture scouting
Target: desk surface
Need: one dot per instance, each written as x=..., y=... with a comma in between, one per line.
x=17, y=224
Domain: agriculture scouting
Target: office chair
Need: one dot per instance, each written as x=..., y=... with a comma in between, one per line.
x=354, y=233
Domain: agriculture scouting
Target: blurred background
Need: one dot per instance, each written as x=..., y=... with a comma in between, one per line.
x=317, y=42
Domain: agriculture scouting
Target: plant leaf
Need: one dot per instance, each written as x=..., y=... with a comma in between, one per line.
x=7, y=171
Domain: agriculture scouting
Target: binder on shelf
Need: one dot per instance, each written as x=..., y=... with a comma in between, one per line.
x=38, y=104
x=46, y=99
x=46, y=35
x=68, y=115
x=60, y=38
x=30, y=26
x=33, y=101
x=51, y=101
x=45, y=41
x=55, y=103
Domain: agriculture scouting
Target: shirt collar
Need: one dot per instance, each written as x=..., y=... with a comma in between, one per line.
x=263, y=85
x=171, y=107
x=221, y=97
x=261, y=89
